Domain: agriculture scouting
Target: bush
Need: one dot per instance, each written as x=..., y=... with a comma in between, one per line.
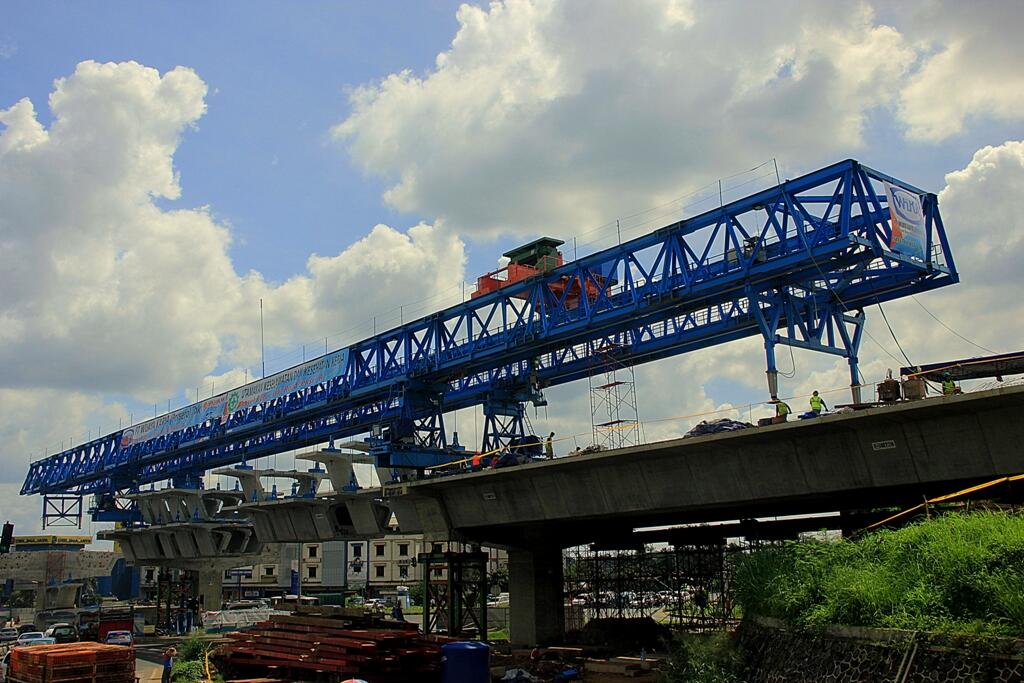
x=708, y=658
x=956, y=574
x=188, y=672
x=193, y=649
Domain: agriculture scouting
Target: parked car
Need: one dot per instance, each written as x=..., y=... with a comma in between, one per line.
x=8, y=634
x=63, y=633
x=3, y=665
x=119, y=638
x=35, y=641
x=25, y=628
x=30, y=635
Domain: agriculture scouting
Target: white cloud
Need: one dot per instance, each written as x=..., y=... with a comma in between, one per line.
x=546, y=116
x=971, y=68
x=105, y=291
x=34, y=420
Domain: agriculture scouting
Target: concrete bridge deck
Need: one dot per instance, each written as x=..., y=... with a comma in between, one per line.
x=886, y=456
x=883, y=456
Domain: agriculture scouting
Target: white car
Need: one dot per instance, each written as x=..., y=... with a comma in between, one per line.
x=45, y=640
x=3, y=665
x=30, y=635
x=8, y=634
x=119, y=638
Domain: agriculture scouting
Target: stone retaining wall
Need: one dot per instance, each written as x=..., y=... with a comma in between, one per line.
x=774, y=653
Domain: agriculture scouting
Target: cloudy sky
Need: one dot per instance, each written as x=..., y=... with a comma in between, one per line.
x=165, y=166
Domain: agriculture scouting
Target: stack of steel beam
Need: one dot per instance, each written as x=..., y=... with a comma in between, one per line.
x=322, y=644
x=78, y=662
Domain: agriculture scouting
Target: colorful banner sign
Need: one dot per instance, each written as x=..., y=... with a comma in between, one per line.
x=907, y=222
x=309, y=374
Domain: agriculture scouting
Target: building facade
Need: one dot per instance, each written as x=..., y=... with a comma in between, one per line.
x=378, y=567
x=374, y=568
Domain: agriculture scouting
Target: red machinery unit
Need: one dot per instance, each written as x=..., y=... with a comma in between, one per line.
x=536, y=258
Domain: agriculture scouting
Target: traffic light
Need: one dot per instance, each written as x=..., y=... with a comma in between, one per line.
x=5, y=538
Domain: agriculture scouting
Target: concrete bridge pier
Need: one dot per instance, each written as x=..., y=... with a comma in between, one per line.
x=536, y=609
x=211, y=587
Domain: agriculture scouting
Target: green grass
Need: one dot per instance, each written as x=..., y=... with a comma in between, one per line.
x=960, y=574
x=497, y=634
x=703, y=658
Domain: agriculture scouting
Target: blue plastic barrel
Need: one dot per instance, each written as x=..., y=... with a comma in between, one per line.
x=466, y=662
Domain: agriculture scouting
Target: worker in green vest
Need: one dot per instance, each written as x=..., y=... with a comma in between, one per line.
x=782, y=409
x=949, y=387
x=817, y=404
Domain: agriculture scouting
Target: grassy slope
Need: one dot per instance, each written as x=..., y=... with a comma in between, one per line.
x=956, y=573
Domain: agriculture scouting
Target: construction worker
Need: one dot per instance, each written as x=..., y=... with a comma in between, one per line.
x=949, y=387
x=782, y=410
x=477, y=461
x=549, y=446
x=817, y=403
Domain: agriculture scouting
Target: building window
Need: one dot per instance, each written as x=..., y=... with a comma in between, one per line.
x=379, y=549
x=379, y=571
x=311, y=572
x=436, y=548
x=403, y=550
x=227, y=573
x=403, y=572
x=437, y=572
x=149, y=575
x=268, y=571
x=313, y=550
x=357, y=568
x=357, y=550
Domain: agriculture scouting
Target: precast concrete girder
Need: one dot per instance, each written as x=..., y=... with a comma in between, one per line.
x=197, y=541
x=292, y=520
x=221, y=503
x=339, y=465
x=171, y=505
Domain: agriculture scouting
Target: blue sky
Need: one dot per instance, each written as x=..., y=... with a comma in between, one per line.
x=294, y=129
x=278, y=77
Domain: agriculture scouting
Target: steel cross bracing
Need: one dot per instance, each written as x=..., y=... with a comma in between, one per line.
x=796, y=264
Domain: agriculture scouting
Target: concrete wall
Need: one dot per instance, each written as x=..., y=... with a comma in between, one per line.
x=772, y=652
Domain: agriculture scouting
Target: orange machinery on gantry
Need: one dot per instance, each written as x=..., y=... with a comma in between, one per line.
x=536, y=258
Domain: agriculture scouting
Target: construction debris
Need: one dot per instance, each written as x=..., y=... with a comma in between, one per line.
x=717, y=427
x=72, y=662
x=306, y=645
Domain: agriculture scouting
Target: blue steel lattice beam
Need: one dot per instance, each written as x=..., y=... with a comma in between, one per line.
x=795, y=263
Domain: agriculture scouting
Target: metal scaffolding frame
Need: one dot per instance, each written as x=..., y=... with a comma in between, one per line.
x=614, y=413
x=689, y=586
x=457, y=605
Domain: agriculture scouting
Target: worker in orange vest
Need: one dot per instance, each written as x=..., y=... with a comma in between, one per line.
x=477, y=461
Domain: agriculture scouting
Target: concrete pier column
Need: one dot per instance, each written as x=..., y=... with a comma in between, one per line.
x=210, y=587
x=536, y=609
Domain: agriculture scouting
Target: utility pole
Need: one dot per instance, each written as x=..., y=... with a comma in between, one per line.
x=263, y=354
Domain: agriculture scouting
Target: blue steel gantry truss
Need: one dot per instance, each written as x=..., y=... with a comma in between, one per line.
x=796, y=264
